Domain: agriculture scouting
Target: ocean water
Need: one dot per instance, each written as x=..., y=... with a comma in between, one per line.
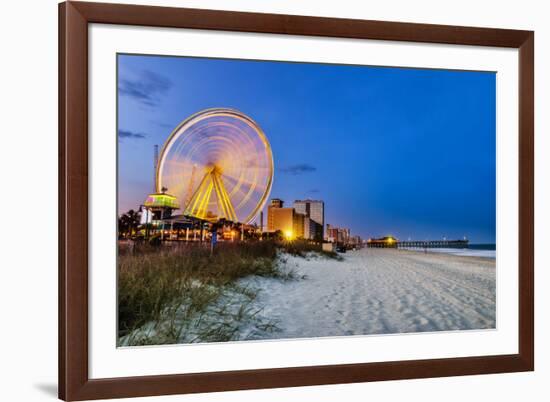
x=473, y=250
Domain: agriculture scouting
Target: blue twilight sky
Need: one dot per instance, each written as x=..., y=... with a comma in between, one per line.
x=408, y=152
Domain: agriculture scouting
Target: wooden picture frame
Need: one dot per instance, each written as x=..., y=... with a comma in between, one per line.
x=74, y=381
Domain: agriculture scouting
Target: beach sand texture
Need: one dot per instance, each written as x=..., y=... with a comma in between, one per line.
x=380, y=291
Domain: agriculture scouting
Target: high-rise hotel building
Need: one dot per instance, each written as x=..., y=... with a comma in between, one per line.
x=274, y=215
x=286, y=220
x=315, y=211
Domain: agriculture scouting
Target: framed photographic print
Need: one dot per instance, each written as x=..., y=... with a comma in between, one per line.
x=259, y=200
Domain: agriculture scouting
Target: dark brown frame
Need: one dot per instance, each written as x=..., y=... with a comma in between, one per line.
x=74, y=18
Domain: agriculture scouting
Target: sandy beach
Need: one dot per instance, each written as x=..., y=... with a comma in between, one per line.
x=379, y=291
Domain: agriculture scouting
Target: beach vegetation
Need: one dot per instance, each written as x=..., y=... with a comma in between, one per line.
x=184, y=293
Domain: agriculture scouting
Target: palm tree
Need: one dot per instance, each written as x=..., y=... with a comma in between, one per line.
x=128, y=223
x=133, y=220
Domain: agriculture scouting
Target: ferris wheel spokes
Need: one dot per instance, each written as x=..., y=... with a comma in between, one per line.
x=198, y=206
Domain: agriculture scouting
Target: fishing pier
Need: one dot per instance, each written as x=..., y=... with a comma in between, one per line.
x=392, y=242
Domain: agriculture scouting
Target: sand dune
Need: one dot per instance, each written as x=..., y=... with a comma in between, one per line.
x=379, y=291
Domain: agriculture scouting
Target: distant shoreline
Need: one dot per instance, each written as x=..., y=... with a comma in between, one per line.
x=463, y=252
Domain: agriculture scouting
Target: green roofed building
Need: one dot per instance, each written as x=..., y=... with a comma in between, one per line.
x=161, y=200
x=161, y=205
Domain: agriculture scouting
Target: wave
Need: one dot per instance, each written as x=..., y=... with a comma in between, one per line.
x=466, y=252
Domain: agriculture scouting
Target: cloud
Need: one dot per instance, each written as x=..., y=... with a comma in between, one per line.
x=166, y=125
x=148, y=88
x=130, y=134
x=299, y=168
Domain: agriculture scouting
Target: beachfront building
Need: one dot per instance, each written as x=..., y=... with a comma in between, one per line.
x=383, y=242
x=276, y=203
x=331, y=233
x=315, y=211
x=344, y=235
x=339, y=235
x=356, y=241
x=311, y=229
x=286, y=220
x=159, y=206
x=280, y=218
x=298, y=225
x=156, y=210
x=274, y=216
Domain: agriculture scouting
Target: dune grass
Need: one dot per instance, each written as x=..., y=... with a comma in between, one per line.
x=183, y=294
x=304, y=248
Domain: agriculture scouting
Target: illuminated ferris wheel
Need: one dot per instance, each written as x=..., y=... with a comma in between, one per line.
x=218, y=163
